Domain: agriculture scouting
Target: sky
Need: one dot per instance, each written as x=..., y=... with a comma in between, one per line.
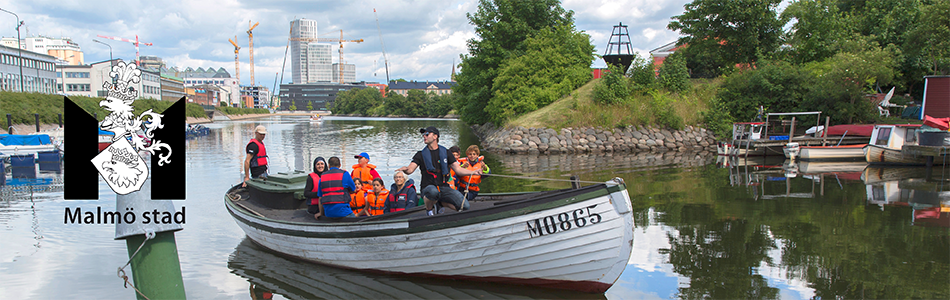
x=422, y=38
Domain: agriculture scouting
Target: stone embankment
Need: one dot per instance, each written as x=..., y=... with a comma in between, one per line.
x=594, y=140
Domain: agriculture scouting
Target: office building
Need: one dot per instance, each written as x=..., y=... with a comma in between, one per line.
x=302, y=31
x=349, y=73
x=38, y=70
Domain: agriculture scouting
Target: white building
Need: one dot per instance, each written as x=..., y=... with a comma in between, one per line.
x=220, y=78
x=319, y=63
x=38, y=70
x=86, y=80
x=301, y=30
x=349, y=73
x=63, y=48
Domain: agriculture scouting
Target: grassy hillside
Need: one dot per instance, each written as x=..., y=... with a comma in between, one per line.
x=579, y=109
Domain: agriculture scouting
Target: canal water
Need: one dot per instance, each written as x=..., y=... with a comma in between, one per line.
x=726, y=229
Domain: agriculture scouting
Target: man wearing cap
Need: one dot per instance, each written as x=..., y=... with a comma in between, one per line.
x=437, y=162
x=255, y=165
x=364, y=171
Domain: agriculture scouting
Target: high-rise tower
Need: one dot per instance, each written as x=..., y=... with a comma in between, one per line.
x=300, y=62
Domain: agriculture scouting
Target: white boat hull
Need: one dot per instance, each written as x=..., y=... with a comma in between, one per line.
x=831, y=153
x=584, y=246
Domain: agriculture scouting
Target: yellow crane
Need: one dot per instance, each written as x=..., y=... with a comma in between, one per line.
x=340, y=40
x=237, y=63
x=250, y=38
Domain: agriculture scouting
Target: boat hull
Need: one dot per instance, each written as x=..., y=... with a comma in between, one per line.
x=579, y=243
x=832, y=153
x=885, y=156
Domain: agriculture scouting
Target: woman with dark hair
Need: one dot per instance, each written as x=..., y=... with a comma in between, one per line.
x=310, y=190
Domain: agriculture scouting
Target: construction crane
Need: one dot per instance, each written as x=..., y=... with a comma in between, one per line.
x=340, y=40
x=385, y=60
x=250, y=38
x=237, y=63
x=136, y=42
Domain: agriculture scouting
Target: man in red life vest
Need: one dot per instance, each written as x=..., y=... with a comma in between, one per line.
x=255, y=165
x=334, y=190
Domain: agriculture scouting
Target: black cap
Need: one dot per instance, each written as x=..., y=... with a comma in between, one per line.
x=430, y=129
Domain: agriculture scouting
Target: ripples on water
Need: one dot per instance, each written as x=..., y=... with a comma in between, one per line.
x=732, y=229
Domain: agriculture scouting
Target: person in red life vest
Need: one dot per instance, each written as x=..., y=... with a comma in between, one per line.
x=468, y=185
x=358, y=198
x=402, y=194
x=376, y=199
x=255, y=165
x=454, y=180
x=335, y=186
x=365, y=171
x=437, y=162
x=310, y=189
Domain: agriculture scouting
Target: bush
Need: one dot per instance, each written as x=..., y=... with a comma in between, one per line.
x=612, y=88
x=717, y=118
x=641, y=73
x=673, y=73
x=663, y=113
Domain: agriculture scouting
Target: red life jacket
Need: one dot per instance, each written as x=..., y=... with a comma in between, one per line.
x=316, y=178
x=331, y=187
x=260, y=159
x=400, y=196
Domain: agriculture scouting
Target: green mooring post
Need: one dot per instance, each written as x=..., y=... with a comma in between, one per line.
x=156, y=270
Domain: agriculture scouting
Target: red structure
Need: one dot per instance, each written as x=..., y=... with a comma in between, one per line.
x=936, y=96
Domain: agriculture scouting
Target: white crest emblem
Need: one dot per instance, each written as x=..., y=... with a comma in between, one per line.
x=120, y=164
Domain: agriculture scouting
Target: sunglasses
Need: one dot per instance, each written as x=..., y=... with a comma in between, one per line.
x=425, y=134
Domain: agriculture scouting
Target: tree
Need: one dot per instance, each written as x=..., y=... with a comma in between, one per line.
x=673, y=73
x=930, y=40
x=818, y=27
x=744, y=30
x=641, y=73
x=501, y=26
x=613, y=87
x=553, y=63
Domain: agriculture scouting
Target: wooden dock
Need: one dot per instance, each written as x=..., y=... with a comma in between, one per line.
x=774, y=147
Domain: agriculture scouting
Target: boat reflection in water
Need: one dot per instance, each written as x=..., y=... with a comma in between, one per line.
x=268, y=273
x=927, y=196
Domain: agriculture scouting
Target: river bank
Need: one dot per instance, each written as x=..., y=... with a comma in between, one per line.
x=519, y=140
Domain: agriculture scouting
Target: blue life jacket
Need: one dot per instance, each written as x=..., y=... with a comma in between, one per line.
x=443, y=161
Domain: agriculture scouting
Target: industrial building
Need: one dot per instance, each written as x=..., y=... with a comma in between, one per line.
x=319, y=95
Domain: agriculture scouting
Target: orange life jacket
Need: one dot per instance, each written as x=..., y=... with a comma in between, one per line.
x=364, y=175
x=471, y=182
x=316, y=179
x=375, y=204
x=259, y=159
x=358, y=201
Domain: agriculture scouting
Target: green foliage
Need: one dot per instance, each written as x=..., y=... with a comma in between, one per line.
x=735, y=31
x=503, y=28
x=292, y=107
x=369, y=102
x=673, y=74
x=241, y=111
x=613, y=88
x=663, y=112
x=819, y=27
x=356, y=101
x=23, y=106
x=929, y=42
x=553, y=64
x=641, y=73
x=778, y=86
x=309, y=105
x=717, y=118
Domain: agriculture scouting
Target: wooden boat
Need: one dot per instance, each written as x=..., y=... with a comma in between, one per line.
x=886, y=144
x=575, y=239
x=831, y=153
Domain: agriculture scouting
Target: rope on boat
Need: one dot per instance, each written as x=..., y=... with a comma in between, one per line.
x=121, y=273
x=540, y=178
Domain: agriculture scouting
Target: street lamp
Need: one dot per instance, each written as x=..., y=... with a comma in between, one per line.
x=19, y=47
x=111, y=62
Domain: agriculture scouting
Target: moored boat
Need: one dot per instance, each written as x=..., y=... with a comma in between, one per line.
x=576, y=239
x=832, y=153
x=887, y=141
x=25, y=144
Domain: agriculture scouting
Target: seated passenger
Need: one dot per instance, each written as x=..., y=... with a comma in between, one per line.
x=453, y=180
x=358, y=198
x=365, y=171
x=402, y=194
x=376, y=199
x=310, y=189
x=468, y=185
x=335, y=188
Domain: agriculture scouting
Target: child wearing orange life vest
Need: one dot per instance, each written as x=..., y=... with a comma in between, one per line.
x=453, y=180
x=364, y=171
x=468, y=185
x=358, y=198
x=376, y=199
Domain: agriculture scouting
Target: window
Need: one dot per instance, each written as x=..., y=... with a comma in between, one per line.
x=911, y=136
x=883, y=135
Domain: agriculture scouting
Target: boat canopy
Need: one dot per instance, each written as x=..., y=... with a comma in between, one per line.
x=24, y=139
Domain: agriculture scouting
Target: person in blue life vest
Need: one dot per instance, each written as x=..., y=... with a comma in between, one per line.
x=255, y=164
x=402, y=194
x=335, y=187
x=310, y=189
x=437, y=162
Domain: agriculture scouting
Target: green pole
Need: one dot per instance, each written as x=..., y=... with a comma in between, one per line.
x=156, y=271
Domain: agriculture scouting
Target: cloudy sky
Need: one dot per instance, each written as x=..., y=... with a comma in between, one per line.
x=422, y=38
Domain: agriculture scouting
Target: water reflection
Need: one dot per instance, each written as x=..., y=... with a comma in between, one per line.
x=269, y=273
